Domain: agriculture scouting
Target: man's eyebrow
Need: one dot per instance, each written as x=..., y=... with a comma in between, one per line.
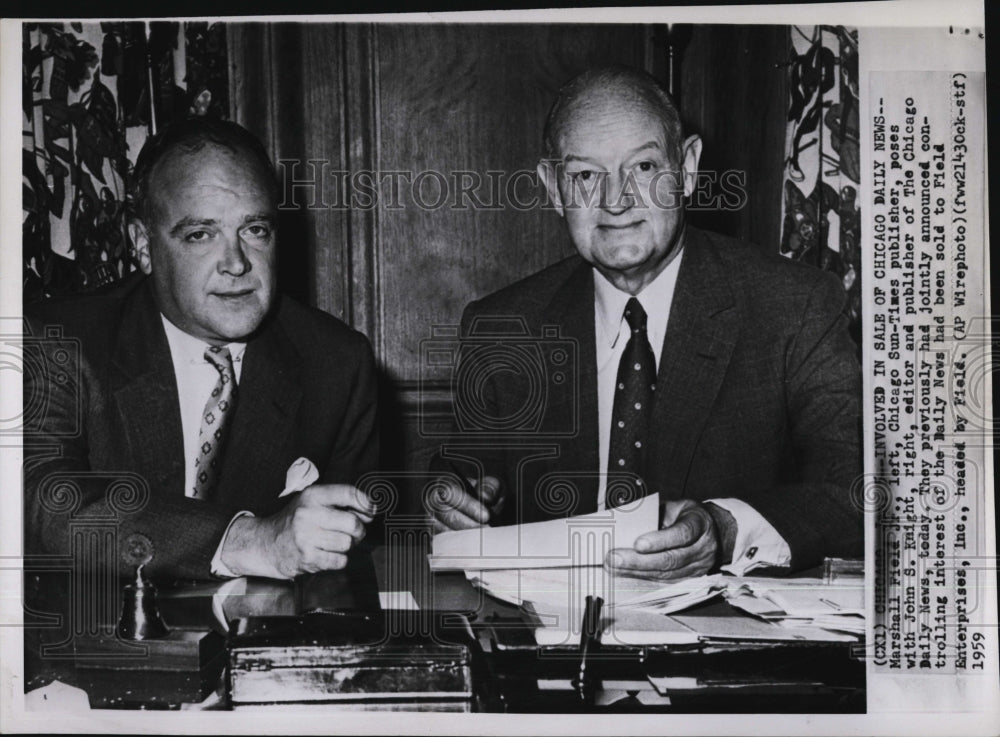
x=267, y=217
x=639, y=149
x=189, y=222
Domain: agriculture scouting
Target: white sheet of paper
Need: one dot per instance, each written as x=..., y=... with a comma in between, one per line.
x=57, y=697
x=742, y=627
x=797, y=597
x=820, y=600
x=397, y=600
x=232, y=587
x=570, y=542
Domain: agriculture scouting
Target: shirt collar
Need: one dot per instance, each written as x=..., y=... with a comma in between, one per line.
x=655, y=299
x=187, y=349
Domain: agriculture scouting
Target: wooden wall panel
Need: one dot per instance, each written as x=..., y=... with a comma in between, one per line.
x=287, y=88
x=734, y=94
x=319, y=117
x=468, y=99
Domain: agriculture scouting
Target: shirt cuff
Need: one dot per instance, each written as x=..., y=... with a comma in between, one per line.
x=758, y=544
x=219, y=568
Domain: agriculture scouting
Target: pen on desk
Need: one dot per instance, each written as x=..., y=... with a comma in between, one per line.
x=590, y=631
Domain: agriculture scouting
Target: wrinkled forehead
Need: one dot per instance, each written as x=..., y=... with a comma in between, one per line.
x=613, y=123
x=610, y=115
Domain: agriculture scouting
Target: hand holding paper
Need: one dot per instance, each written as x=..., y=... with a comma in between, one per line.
x=573, y=541
x=686, y=546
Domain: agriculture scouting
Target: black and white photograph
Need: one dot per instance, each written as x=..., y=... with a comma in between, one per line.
x=528, y=372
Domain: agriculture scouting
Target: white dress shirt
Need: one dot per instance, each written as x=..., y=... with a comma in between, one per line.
x=758, y=544
x=196, y=378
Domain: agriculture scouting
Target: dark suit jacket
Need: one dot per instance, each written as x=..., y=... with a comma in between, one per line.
x=758, y=395
x=308, y=388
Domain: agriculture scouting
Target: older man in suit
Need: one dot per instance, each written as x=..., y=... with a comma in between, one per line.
x=197, y=387
x=715, y=376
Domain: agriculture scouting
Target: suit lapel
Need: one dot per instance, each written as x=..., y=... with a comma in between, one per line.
x=697, y=347
x=269, y=396
x=144, y=388
x=574, y=403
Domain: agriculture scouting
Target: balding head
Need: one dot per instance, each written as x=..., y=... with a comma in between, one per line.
x=618, y=171
x=192, y=136
x=618, y=87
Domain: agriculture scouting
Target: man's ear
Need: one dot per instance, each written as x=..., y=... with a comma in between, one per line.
x=690, y=156
x=140, y=239
x=548, y=173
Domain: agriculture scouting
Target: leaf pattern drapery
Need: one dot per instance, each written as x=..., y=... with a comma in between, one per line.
x=821, y=215
x=86, y=113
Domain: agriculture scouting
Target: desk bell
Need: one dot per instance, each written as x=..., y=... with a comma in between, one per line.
x=140, y=619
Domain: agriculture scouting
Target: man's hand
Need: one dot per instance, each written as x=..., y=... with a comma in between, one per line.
x=690, y=544
x=313, y=532
x=453, y=508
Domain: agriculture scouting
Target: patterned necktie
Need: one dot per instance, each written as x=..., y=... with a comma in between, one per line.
x=215, y=421
x=636, y=384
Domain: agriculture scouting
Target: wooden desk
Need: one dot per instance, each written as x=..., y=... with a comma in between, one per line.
x=803, y=677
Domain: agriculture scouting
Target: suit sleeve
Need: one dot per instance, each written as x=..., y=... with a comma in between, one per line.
x=457, y=455
x=79, y=516
x=816, y=514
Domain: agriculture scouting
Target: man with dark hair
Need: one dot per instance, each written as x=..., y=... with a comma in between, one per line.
x=715, y=376
x=197, y=389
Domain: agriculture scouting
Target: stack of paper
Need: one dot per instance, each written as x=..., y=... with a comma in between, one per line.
x=633, y=613
x=559, y=589
x=573, y=541
x=551, y=567
x=802, y=602
x=674, y=596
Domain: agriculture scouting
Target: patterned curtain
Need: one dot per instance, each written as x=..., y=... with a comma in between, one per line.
x=821, y=223
x=91, y=93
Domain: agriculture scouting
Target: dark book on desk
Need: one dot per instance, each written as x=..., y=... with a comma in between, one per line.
x=388, y=658
x=180, y=650
x=183, y=667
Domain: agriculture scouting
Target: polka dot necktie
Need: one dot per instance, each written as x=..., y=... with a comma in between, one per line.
x=634, y=391
x=215, y=421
